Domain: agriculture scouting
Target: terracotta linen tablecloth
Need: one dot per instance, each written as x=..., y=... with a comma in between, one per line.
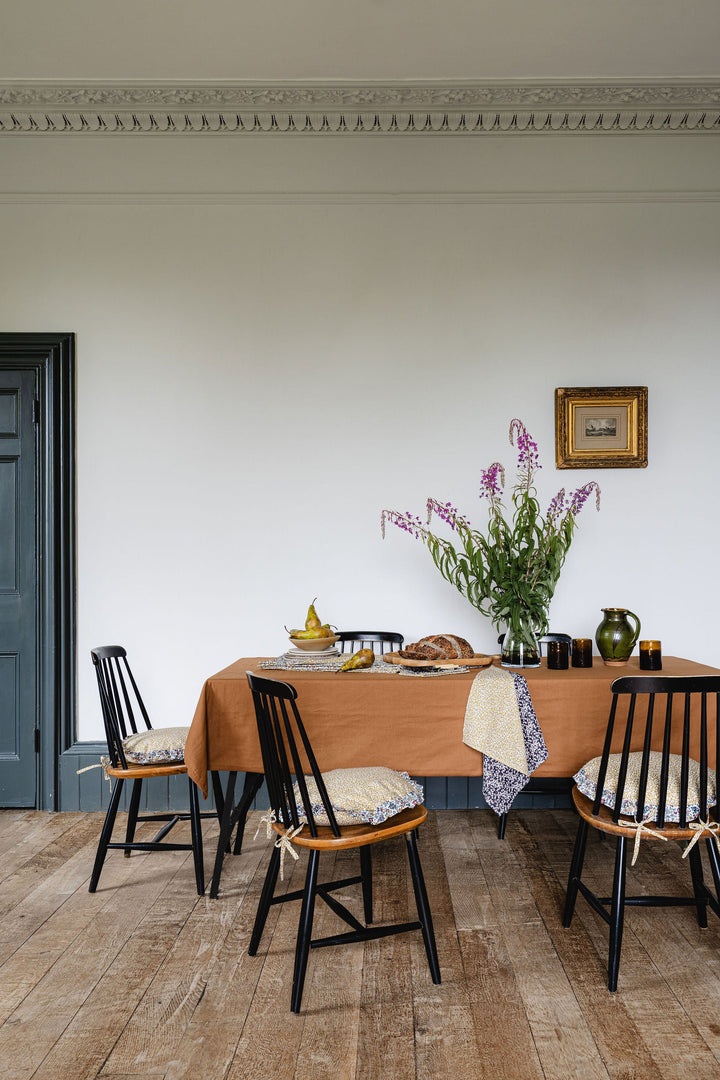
x=416, y=725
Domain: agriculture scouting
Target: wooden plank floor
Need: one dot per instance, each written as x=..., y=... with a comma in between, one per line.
x=145, y=979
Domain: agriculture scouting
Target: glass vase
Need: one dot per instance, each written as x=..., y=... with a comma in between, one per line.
x=520, y=646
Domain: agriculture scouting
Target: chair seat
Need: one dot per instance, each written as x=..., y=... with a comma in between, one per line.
x=142, y=772
x=604, y=821
x=353, y=836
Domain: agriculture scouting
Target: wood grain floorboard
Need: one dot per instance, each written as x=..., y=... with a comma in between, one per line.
x=144, y=979
x=446, y=1044
x=39, y=1022
x=612, y=1028
x=54, y=857
x=488, y=970
x=562, y=1039
x=386, y=1025
x=670, y=1036
x=20, y=843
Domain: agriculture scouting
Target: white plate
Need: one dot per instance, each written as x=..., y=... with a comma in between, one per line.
x=302, y=654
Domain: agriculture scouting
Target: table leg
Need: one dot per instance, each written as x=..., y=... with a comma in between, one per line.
x=253, y=783
x=225, y=831
x=218, y=793
x=233, y=816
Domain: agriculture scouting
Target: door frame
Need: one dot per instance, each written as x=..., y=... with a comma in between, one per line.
x=52, y=357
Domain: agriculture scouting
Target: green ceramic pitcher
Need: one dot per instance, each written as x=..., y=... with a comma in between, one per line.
x=615, y=637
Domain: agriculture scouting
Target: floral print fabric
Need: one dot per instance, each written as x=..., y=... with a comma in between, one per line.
x=586, y=780
x=365, y=795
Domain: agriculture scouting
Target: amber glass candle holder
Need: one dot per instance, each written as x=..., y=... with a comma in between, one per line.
x=557, y=655
x=650, y=656
x=582, y=652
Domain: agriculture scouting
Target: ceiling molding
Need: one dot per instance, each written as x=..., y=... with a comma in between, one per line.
x=354, y=108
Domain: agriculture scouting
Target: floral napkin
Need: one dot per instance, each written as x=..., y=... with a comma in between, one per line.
x=500, y=723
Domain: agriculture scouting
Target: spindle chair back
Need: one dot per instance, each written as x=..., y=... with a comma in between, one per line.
x=289, y=764
x=655, y=778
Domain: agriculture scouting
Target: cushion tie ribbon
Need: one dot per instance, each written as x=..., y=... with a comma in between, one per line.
x=640, y=827
x=700, y=827
x=284, y=841
x=268, y=820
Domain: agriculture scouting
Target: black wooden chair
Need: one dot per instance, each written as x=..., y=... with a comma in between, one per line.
x=380, y=641
x=286, y=751
x=156, y=752
x=645, y=794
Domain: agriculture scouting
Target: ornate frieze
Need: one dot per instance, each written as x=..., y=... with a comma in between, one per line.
x=356, y=109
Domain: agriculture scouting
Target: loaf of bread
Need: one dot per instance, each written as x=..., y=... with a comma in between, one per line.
x=439, y=647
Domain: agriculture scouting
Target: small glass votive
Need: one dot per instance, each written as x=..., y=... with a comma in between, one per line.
x=557, y=655
x=650, y=656
x=582, y=652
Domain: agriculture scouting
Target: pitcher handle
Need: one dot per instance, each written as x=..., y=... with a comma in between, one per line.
x=636, y=635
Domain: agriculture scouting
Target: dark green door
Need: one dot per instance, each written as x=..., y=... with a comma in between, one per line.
x=18, y=587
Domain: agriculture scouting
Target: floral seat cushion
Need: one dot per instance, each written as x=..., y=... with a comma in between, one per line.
x=158, y=746
x=586, y=780
x=368, y=795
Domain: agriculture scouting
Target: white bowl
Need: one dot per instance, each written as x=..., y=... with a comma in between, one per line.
x=316, y=644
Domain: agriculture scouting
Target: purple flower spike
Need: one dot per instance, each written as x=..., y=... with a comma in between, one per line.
x=447, y=513
x=580, y=497
x=527, y=449
x=407, y=522
x=492, y=481
x=557, y=506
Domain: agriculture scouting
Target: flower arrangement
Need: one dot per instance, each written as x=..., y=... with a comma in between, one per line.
x=509, y=572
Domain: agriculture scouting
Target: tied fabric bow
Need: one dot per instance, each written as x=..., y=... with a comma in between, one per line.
x=640, y=827
x=283, y=842
x=700, y=827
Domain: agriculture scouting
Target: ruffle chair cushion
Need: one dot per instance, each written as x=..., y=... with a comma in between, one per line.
x=586, y=780
x=367, y=795
x=158, y=746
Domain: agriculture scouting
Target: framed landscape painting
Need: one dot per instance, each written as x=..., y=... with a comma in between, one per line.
x=601, y=427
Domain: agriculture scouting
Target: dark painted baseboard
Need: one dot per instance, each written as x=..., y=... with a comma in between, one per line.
x=90, y=790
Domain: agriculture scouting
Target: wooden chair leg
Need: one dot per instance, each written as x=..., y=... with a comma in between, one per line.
x=714, y=864
x=367, y=885
x=617, y=912
x=106, y=834
x=575, y=871
x=696, y=869
x=423, y=907
x=502, y=822
x=304, y=935
x=196, y=833
x=268, y=891
x=133, y=811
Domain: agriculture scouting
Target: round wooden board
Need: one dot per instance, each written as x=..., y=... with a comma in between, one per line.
x=479, y=660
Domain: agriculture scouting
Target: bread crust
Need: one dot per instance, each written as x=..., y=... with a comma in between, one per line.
x=439, y=647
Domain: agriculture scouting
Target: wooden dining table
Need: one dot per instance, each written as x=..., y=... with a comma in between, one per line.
x=405, y=722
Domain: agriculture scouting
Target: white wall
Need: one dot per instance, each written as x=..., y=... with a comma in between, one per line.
x=366, y=39
x=278, y=338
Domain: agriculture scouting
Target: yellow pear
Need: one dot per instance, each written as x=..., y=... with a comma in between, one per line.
x=361, y=659
x=312, y=621
x=314, y=632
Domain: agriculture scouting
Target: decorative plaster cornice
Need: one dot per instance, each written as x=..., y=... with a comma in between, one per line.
x=454, y=108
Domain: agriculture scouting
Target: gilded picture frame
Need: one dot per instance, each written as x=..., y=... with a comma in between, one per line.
x=601, y=427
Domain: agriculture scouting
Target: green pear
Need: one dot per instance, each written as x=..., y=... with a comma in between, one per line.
x=361, y=659
x=312, y=621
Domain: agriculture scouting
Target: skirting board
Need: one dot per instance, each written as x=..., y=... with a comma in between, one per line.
x=89, y=790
